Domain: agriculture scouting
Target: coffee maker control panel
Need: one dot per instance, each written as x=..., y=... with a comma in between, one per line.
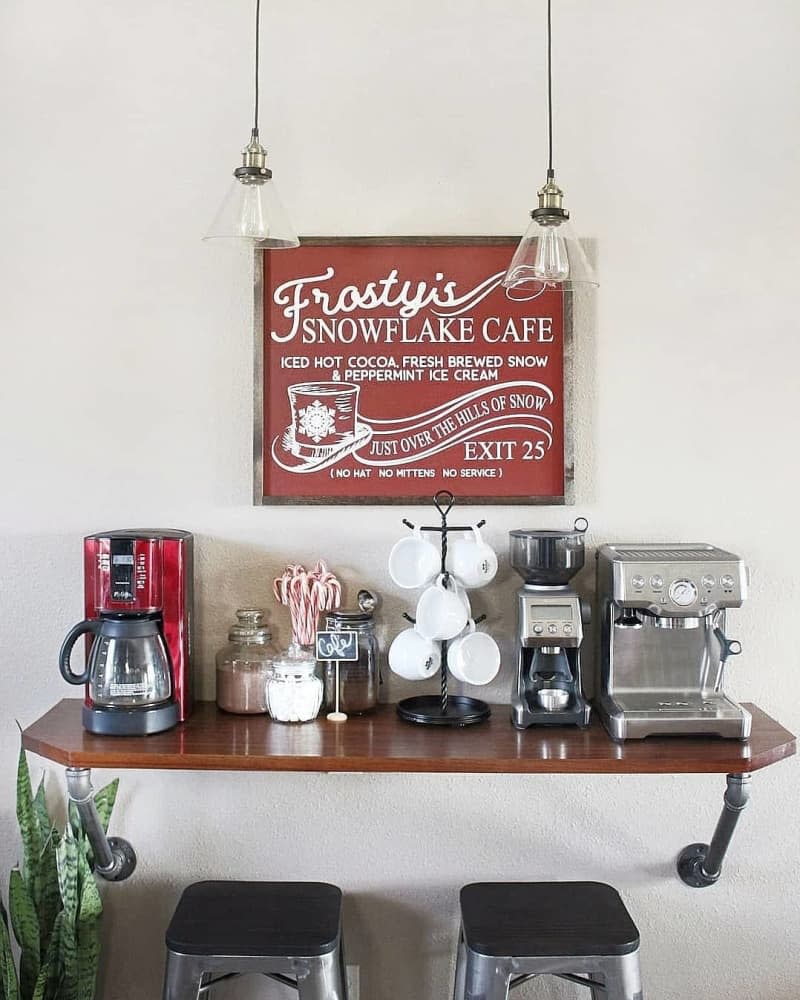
x=677, y=580
x=551, y=621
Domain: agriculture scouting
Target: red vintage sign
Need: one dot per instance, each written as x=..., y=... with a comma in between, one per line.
x=390, y=368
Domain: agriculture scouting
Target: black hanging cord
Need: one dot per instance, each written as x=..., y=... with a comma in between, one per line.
x=549, y=92
x=258, y=40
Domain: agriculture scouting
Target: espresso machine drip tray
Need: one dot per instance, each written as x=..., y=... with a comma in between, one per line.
x=636, y=715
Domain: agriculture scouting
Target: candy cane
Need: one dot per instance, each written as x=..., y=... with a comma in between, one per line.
x=307, y=594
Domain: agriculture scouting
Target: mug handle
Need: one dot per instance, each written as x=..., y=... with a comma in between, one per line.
x=90, y=625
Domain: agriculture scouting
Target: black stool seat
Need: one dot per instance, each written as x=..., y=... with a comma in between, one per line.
x=256, y=918
x=540, y=919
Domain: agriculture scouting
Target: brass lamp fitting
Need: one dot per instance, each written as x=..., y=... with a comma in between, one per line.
x=254, y=169
x=551, y=209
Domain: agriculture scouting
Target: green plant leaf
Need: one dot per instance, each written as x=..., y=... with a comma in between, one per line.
x=9, y=984
x=104, y=802
x=88, y=957
x=42, y=815
x=47, y=983
x=90, y=908
x=26, y=930
x=90, y=905
x=74, y=818
x=50, y=896
x=28, y=827
x=67, y=855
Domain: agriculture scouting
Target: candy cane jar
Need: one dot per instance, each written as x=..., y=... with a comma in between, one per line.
x=294, y=692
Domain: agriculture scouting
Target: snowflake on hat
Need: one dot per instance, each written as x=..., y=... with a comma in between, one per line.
x=317, y=421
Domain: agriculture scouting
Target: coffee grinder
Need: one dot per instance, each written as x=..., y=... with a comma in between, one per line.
x=662, y=643
x=547, y=687
x=138, y=606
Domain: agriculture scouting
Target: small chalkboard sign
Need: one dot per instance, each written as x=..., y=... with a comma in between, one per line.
x=337, y=645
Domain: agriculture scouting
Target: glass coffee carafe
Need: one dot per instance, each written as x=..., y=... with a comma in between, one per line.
x=128, y=666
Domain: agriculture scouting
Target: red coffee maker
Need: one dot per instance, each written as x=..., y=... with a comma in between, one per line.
x=138, y=603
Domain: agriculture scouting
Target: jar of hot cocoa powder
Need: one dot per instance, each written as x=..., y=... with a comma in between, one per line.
x=245, y=665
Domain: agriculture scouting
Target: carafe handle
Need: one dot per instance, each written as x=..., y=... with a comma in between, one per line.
x=90, y=625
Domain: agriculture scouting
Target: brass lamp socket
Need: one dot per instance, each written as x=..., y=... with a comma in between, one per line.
x=551, y=204
x=254, y=167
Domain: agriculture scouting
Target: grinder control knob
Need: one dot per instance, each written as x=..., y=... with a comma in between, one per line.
x=683, y=593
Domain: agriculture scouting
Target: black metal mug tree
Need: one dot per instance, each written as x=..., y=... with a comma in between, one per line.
x=443, y=709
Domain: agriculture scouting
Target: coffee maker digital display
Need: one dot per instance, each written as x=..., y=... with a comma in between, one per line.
x=138, y=605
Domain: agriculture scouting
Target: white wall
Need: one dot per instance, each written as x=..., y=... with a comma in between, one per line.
x=676, y=138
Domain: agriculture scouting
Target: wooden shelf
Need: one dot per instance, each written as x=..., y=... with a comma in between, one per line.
x=215, y=741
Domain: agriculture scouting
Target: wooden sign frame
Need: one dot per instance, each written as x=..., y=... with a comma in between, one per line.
x=327, y=436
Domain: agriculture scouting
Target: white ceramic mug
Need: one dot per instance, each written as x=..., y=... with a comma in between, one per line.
x=414, y=561
x=472, y=560
x=414, y=657
x=474, y=657
x=442, y=611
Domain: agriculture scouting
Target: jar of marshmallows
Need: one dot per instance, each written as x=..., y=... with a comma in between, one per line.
x=294, y=691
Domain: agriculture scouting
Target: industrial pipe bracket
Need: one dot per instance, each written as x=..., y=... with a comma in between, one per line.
x=114, y=858
x=700, y=865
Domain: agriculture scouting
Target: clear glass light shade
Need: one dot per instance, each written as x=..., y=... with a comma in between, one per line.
x=254, y=213
x=549, y=254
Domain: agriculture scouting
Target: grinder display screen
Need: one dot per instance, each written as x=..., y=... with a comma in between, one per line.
x=552, y=611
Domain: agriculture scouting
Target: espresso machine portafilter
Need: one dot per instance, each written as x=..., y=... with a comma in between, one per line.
x=550, y=616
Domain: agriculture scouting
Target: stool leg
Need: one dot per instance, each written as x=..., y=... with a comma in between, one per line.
x=322, y=978
x=343, y=968
x=622, y=978
x=597, y=992
x=486, y=978
x=183, y=977
x=461, y=968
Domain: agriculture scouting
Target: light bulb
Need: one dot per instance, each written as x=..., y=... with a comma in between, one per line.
x=552, y=258
x=253, y=222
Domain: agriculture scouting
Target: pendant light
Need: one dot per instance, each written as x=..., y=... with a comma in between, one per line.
x=549, y=253
x=252, y=211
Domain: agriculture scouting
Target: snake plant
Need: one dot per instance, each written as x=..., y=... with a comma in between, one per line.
x=53, y=902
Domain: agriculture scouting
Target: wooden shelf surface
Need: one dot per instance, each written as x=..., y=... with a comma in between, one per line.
x=215, y=741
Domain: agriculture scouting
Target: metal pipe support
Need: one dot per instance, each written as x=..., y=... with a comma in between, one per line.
x=700, y=865
x=114, y=858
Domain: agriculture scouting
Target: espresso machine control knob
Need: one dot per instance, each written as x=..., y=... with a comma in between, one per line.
x=683, y=593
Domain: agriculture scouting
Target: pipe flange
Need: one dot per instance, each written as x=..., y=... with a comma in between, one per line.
x=690, y=867
x=124, y=863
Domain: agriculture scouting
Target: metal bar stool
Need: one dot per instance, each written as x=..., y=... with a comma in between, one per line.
x=513, y=931
x=290, y=932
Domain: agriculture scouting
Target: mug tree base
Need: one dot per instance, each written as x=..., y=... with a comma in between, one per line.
x=426, y=710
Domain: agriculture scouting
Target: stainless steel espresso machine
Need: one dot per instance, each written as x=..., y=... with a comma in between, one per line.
x=550, y=616
x=662, y=646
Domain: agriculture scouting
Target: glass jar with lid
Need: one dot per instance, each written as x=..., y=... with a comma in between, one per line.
x=245, y=665
x=294, y=692
x=359, y=679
